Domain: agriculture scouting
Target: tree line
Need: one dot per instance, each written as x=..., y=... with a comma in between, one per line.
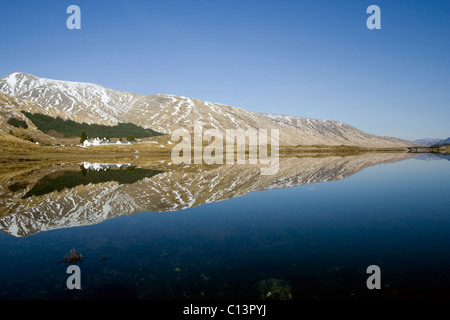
x=70, y=128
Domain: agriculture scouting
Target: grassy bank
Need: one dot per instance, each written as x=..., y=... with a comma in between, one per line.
x=441, y=149
x=18, y=149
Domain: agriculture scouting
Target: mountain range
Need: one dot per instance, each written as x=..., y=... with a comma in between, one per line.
x=92, y=103
x=431, y=142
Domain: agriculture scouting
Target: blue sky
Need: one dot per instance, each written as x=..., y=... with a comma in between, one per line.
x=304, y=58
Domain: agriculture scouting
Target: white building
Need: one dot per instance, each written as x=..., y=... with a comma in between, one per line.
x=103, y=142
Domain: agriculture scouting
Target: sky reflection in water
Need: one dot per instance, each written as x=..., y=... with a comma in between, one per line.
x=316, y=240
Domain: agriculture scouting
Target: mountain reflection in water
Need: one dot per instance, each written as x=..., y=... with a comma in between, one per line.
x=89, y=173
x=72, y=195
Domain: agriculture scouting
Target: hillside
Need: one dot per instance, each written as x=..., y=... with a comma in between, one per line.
x=92, y=103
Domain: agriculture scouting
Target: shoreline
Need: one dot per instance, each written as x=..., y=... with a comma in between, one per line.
x=16, y=150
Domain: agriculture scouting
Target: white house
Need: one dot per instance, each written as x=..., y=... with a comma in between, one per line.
x=102, y=142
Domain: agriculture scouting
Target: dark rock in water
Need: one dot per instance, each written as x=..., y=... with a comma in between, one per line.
x=114, y=291
x=273, y=289
x=73, y=257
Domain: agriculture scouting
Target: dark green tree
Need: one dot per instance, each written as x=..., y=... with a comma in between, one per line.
x=130, y=137
x=83, y=137
x=17, y=123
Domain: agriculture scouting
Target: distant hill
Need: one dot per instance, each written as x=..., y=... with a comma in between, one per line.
x=432, y=142
x=444, y=142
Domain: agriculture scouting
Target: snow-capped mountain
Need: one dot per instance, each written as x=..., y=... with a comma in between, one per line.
x=445, y=141
x=78, y=101
x=429, y=141
x=92, y=103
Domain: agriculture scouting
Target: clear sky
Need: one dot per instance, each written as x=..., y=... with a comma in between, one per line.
x=312, y=58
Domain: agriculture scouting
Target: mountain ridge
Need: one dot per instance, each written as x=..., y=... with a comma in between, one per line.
x=93, y=103
x=428, y=141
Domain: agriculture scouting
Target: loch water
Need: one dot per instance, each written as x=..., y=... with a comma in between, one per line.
x=310, y=234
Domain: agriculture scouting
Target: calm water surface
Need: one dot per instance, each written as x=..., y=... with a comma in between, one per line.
x=311, y=241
